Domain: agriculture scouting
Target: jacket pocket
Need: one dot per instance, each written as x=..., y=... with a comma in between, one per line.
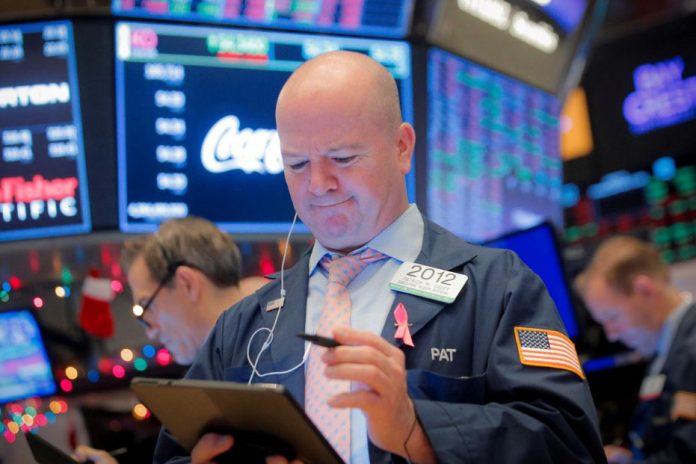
x=428, y=385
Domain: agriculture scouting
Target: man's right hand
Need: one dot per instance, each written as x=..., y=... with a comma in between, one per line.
x=83, y=453
x=209, y=446
x=617, y=454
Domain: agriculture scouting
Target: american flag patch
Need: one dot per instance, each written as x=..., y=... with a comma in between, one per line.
x=547, y=348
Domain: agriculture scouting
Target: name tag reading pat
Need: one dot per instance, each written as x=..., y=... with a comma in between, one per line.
x=428, y=282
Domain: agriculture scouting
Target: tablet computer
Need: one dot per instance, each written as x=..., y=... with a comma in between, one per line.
x=45, y=452
x=264, y=419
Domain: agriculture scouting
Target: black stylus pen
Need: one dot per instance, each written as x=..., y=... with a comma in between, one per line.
x=319, y=340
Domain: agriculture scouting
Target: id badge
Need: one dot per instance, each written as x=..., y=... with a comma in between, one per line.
x=652, y=387
x=428, y=282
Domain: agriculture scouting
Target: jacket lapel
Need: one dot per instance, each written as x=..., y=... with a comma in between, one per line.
x=287, y=350
x=442, y=250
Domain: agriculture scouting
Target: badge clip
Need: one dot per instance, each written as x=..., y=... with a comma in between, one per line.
x=275, y=304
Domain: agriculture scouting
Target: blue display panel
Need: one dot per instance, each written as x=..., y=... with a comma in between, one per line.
x=43, y=185
x=196, y=121
x=25, y=369
x=538, y=248
x=386, y=18
x=494, y=163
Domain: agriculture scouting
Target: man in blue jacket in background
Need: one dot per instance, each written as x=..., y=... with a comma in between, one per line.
x=627, y=289
x=455, y=352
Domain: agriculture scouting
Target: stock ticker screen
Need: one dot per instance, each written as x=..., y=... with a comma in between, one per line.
x=657, y=203
x=385, y=18
x=493, y=151
x=196, y=121
x=43, y=185
x=25, y=369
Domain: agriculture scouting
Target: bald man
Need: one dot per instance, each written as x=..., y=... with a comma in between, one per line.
x=427, y=376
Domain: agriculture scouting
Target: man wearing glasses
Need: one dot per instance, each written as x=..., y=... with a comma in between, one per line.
x=182, y=278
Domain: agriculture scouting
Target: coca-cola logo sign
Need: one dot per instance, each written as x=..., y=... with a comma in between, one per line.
x=226, y=148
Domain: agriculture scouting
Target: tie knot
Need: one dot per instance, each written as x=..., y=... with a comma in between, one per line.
x=344, y=269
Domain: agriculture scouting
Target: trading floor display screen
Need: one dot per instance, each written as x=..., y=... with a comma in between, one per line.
x=43, y=185
x=494, y=163
x=538, y=247
x=385, y=18
x=196, y=121
x=25, y=369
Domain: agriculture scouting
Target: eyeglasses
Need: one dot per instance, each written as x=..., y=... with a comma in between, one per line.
x=139, y=310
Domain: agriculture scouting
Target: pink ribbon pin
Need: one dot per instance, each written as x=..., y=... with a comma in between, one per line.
x=402, y=330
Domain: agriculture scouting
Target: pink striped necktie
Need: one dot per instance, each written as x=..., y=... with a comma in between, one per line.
x=334, y=424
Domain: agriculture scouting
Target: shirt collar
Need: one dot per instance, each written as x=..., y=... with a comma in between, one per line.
x=401, y=240
x=670, y=326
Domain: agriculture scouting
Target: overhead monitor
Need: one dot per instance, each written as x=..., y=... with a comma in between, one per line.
x=43, y=185
x=538, y=247
x=493, y=161
x=642, y=97
x=25, y=368
x=196, y=121
x=384, y=18
x=540, y=42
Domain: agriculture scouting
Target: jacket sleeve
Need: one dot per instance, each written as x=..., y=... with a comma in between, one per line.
x=512, y=412
x=681, y=448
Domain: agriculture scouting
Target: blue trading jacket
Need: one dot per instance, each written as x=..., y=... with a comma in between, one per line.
x=478, y=403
